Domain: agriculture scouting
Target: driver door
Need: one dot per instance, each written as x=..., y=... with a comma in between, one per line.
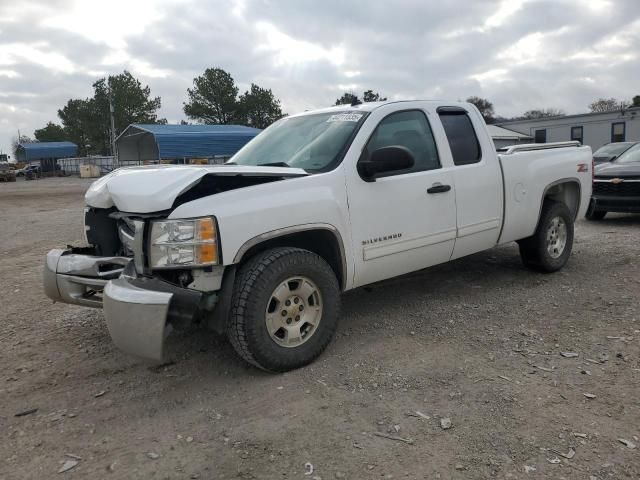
x=404, y=220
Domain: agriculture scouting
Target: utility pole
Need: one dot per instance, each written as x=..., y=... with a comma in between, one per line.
x=113, y=131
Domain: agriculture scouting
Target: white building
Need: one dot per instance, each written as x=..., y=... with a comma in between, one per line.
x=593, y=129
x=503, y=137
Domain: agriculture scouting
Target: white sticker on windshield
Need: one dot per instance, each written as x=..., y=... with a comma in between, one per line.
x=345, y=117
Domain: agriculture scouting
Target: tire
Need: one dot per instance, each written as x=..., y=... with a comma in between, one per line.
x=544, y=251
x=258, y=308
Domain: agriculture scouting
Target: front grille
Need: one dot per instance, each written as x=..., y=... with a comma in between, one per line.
x=127, y=237
x=102, y=232
x=624, y=189
x=131, y=234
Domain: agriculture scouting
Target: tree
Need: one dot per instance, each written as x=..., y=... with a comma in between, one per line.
x=607, y=105
x=258, y=107
x=212, y=98
x=485, y=107
x=542, y=113
x=635, y=102
x=500, y=119
x=78, y=121
x=132, y=103
x=50, y=133
x=87, y=122
x=350, y=98
x=369, y=96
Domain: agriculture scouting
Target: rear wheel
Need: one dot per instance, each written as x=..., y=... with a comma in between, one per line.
x=284, y=310
x=549, y=248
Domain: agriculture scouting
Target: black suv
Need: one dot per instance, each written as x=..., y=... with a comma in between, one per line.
x=616, y=185
x=611, y=151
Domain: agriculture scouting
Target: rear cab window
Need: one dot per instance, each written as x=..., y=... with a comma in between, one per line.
x=462, y=138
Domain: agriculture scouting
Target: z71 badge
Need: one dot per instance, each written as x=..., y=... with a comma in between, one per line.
x=393, y=236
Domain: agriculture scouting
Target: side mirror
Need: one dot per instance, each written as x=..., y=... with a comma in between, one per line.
x=385, y=159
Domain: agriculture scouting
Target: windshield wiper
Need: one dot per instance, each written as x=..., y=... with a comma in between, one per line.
x=273, y=164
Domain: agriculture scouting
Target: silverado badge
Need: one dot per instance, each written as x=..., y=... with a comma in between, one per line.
x=392, y=236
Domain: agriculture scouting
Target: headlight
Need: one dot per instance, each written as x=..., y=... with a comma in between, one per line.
x=180, y=243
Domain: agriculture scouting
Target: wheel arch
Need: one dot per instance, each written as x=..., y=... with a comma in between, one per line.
x=321, y=238
x=565, y=190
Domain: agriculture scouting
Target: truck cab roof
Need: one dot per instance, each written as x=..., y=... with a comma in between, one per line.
x=371, y=106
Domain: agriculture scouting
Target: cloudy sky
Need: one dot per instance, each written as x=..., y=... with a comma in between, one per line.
x=520, y=54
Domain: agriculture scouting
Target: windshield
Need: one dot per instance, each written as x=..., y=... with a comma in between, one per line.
x=311, y=142
x=630, y=156
x=611, y=149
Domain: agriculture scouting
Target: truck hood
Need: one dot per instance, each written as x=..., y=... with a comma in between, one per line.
x=613, y=169
x=155, y=188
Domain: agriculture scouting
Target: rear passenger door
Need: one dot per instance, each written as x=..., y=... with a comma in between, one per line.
x=477, y=178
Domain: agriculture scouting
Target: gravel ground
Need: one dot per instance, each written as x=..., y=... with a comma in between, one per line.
x=477, y=341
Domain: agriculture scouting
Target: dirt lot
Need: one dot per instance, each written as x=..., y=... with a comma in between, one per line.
x=477, y=341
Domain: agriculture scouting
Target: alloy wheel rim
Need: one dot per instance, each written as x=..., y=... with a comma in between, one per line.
x=556, y=237
x=293, y=312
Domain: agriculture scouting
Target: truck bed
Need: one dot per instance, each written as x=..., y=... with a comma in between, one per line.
x=531, y=170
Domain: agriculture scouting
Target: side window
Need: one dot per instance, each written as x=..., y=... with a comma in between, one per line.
x=618, y=132
x=540, y=136
x=408, y=129
x=462, y=137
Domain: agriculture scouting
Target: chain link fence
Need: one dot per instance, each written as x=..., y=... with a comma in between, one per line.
x=71, y=166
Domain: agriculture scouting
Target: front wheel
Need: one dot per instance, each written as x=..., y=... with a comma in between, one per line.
x=284, y=309
x=549, y=248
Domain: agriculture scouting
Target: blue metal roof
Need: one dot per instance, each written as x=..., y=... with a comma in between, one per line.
x=39, y=150
x=193, y=141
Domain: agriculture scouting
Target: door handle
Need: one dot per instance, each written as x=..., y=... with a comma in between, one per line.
x=438, y=188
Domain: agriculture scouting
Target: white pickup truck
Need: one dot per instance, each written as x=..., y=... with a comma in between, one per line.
x=317, y=204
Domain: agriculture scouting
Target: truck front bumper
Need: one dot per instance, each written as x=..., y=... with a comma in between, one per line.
x=139, y=310
x=620, y=204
